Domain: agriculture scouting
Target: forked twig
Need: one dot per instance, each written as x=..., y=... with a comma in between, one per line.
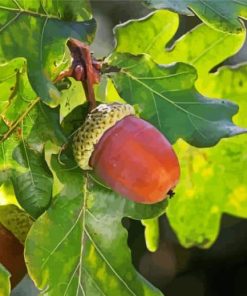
x=83, y=68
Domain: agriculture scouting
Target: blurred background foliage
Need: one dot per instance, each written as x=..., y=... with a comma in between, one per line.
x=213, y=180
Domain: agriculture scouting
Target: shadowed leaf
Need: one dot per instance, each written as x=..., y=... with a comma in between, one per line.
x=221, y=15
x=27, y=125
x=44, y=27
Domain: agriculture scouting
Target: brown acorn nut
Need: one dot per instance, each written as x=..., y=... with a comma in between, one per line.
x=127, y=153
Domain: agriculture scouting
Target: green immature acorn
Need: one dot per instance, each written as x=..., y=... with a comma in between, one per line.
x=127, y=153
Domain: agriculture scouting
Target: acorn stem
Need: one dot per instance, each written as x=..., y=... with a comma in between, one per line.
x=89, y=78
x=83, y=68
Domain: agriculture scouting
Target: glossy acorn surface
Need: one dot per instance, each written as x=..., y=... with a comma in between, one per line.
x=136, y=160
x=127, y=153
x=11, y=256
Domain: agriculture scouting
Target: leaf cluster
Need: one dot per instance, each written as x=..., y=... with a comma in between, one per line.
x=75, y=243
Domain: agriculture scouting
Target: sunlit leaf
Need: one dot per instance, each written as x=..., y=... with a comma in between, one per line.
x=234, y=86
x=151, y=233
x=212, y=48
x=147, y=35
x=4, y=281
x=196, y=211
x=7, y=195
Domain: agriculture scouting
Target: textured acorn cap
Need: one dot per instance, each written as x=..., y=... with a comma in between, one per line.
x=97, y=122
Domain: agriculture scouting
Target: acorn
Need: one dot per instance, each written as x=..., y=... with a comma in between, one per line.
x=127, y=153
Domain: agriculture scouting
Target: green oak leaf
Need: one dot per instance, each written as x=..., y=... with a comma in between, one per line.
x=220, y=15
x=227, y=81
x=17, y=98
x=26, y=124
x=16, y=221
x=29, y=173
x=167, y=98
x=146, y=35
x=212, y=48
x=33, y=185
x=235, y=83
x=213, y=182
x=44, y=27
x=81, y=245
x=7, y=195
x=22, y=114
x=4, y=281
x=195, y=211
x=151, y=233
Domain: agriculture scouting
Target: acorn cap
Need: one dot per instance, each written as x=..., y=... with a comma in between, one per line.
x=97, y=122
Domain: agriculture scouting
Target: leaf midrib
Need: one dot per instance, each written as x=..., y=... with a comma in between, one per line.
x=108, y=263
x=86, y=232
x=20, y=11
x=217, y=12
x=165, y=98
x=19, y=120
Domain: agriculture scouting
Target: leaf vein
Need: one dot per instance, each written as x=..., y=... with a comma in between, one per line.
x=41, y=41
x=165, y=98
x=208, y=49
x=108, y=263
x=71, y=278
x=214, y=10
x=157, y=37
x=156, y=109
x=240, y=2
x=162, y=77
x=9, y=22
x=25, y=151
x=94, y=282
x=63, y=239
x=196, y=128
